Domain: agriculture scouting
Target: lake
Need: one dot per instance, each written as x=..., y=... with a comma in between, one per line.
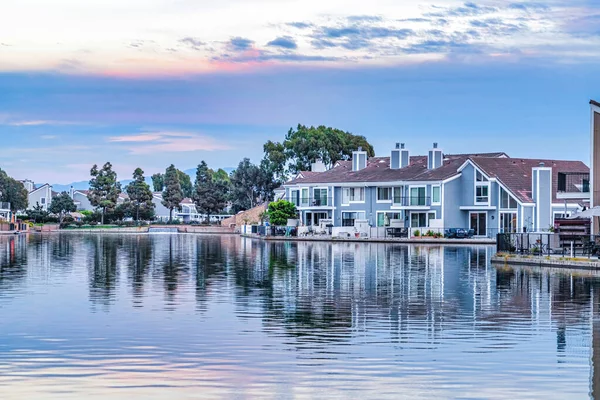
x=168, y=316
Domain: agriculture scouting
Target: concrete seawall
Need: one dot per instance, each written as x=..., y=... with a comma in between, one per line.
x=547, y=261
x=422, y=240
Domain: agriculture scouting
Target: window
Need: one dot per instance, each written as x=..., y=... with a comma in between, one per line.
x=435, y=194
x=384, y=218
x=295, y=197
x=397, y=195
x=482, y=189
x=319, y=197
x=508, y=222
x=482, y=194
x=353, y=195
x=384, y=194
x=417, y=196
x=348, y=217
x=421, y=220
x=304, y=199
x=42, y=200
x=506, y=200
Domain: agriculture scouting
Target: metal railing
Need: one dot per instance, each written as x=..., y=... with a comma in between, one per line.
x=406, y=201
x=544, y=244
x=318, y=201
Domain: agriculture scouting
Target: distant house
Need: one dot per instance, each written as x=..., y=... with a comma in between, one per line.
x=42, y=195
x=80, y=198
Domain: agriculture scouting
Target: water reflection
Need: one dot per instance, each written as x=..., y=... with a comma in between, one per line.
x=239, y=317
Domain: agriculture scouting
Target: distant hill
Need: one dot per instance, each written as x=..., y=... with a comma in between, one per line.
x=84, y=185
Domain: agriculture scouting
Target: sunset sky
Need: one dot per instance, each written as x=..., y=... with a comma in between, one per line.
x=154, y=82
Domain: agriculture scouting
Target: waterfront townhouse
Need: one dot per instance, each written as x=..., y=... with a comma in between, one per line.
x=487, y=192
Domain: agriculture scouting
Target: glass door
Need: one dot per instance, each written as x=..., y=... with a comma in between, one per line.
x=479, y=223
x=508, y=222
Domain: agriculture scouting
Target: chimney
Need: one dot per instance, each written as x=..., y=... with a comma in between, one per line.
x=359, y=159
x=541, y=191
x=318, y=166
x=435, y=158
x=395, y=157
x=71, y=192
x=400, y=157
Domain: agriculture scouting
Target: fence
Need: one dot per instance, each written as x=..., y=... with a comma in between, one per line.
x=548, y=244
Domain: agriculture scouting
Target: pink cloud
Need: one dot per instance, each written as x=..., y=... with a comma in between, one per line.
x=169, y=142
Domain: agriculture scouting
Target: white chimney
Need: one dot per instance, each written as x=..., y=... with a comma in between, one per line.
x=318, y=166
x=435, y=158
x=404, y=156
x=359, y=159
x=71, y=192
x=400, y=157
x=395, y=157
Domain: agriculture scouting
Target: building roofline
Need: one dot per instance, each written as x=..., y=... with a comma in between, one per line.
x=594, y=103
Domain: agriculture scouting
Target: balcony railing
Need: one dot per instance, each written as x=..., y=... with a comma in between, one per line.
x=319, y=201
x=416, y=201
x=573, y=182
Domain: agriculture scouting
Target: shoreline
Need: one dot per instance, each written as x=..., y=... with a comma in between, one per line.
x=559, y=262
x=421, y=240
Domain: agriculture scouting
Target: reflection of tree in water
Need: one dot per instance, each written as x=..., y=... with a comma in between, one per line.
x=62, y=246
x=294, y=291
x=104, y=273
x=213, y=254
x=139, y=252
x=173, y=254
x=13, y=261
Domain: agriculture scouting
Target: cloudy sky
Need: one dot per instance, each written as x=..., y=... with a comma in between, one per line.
x=152, y=82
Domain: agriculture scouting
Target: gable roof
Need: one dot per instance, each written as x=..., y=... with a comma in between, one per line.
x=516, y=174
x=594, y=103
x=40, y=187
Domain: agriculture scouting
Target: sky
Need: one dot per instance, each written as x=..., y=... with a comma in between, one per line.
x=154, y=82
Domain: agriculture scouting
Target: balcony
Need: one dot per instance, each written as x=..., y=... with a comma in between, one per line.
x=412, y=202
x=573, y=185
x=4, y=206
x=312, y=202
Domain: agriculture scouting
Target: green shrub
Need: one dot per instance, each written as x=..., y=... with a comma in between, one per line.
x=417, y=233
x=280, y=211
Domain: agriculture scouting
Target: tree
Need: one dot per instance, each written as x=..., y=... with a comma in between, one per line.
x=221, y=175
x=210, y=192
x=275, y=159
x=158, y=182
x=305, y=145
x=13, y=192
x=280, y=211
x=172, y=195
x=37, y=214
x=245, y=185
x=186, y=183
x=140, y=195
x=104, y=189
x=61, y=205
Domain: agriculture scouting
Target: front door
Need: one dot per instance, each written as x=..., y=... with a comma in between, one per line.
x=479, y=223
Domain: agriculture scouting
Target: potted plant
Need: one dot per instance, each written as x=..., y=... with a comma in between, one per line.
x=417, y=233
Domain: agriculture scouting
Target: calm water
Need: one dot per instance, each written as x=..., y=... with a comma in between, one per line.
x=182, y=316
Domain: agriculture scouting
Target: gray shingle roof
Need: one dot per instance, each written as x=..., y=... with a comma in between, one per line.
x=516, y=174
x=378, y=170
